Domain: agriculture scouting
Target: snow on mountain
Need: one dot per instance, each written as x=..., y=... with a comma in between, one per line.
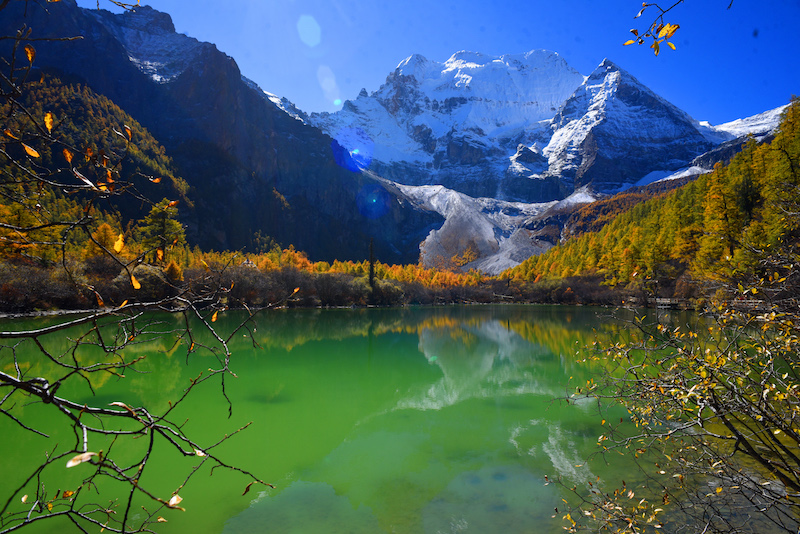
x=523, y=130
x=613, y=130
x=454, y=123
x=471, y=91
x=756, y=125
x=281, y=103
x=729, y=137
x=494, y=229
x=151, y=42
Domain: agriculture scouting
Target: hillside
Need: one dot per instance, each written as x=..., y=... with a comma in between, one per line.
x=713, y=227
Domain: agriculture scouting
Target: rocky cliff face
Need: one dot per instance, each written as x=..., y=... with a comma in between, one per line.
x=613, y=130
x=250, y=165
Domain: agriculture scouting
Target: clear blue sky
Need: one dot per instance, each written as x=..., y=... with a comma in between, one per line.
x=728, y=64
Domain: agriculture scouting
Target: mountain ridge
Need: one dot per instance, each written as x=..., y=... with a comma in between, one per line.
x=476, y=126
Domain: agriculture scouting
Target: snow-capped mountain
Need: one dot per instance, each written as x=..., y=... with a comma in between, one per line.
x=524, y=128
x=491, y=143
x=478, y=153
x=454, y=123
x=613, y=130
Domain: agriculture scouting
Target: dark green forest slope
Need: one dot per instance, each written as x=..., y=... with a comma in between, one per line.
x=714, y=227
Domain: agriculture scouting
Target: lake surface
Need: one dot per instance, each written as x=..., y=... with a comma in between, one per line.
x=434, y=420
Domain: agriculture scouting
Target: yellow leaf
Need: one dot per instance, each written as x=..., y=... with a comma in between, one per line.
x=11, y=135
x=30, y=53
x=719, y=490
x=128, y=131
x=99, y=300
x=155, y=180
x=160, y=254
x=672, y=29
x=49, y=507
x=629, y=42
x=31, y=152
x=161, y=519
x=67, y=494
x=48, y=121
x=672, y=46
x=175, y=501
x=124, y=302
x=24, y=499
x=214, y=317
x=172, y=204
x=80, y=458
x=120, y=242
x=135, y=283
x=67, y=155
x=205, y=265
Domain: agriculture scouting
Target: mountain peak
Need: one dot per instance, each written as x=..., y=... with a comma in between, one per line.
x=145, y=18
x=150, y=39
x=415, y=65
x=607, y=64
x=611, y=112
x=465, y=57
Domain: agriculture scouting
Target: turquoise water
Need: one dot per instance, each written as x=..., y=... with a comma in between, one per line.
x=435, y=420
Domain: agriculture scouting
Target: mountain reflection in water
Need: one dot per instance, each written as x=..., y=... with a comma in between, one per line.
x=379, y=420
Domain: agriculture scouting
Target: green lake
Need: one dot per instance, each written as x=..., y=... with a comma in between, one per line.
x=416, y=420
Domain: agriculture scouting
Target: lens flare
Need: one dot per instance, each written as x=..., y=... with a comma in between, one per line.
x=373, y=201
x=309, y=30
x=353, y=148
x=327, y=81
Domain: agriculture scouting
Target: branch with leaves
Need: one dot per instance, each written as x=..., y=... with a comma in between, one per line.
x=113, y=445
x=659, y=31
x=715, y=408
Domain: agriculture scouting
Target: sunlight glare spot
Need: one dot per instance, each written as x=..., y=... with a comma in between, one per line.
x=309, y=30
x=327, y=81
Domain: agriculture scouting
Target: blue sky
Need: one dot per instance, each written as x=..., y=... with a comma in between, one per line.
x=729, y=63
